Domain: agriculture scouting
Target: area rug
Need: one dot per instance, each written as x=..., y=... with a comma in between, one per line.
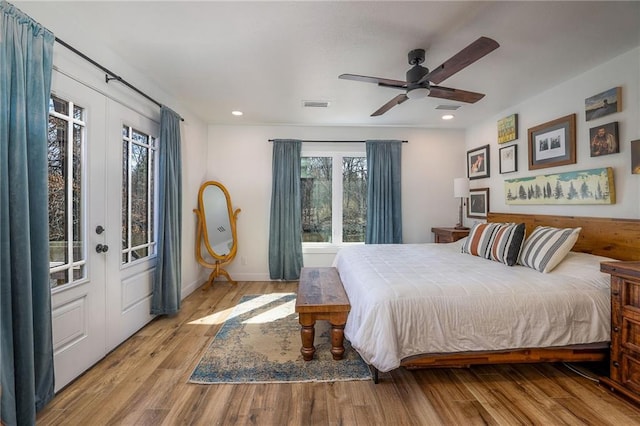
x=260, y=343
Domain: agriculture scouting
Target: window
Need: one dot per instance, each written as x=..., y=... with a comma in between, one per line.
x=334, y=204
x=139, y=152
x=65, y=148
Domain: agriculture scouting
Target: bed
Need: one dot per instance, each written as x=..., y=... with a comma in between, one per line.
x=430, y=305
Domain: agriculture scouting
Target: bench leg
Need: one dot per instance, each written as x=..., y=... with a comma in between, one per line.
x=307, y=334
x=337, y=341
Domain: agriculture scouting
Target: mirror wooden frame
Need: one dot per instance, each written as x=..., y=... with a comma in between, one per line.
x=202, y=238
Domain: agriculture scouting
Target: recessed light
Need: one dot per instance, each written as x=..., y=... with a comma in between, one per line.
x=237, y=113
x=447, y=117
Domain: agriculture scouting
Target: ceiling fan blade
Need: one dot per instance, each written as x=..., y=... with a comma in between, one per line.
x=393, y=102
x=476, y=50
x=455, y=94
x=385, y=82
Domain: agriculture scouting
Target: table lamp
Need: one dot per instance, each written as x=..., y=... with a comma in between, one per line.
x=460, y=190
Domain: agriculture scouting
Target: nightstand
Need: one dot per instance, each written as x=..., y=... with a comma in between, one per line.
x=449, y=235
x=624, y=367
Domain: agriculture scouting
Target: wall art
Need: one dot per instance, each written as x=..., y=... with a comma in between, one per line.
x=605, y=103
x=603, y=140
x=508, y=129
x=593, y=186
x=635, y=157
x=509, y=159
x=553, y=143
x=478, y=162
x=478, y=205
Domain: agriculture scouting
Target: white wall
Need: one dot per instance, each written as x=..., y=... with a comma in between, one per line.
x=559, y=101
x=240, y=158
x=194, y=135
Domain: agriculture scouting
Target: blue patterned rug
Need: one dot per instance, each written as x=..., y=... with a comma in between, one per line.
x=260, y=343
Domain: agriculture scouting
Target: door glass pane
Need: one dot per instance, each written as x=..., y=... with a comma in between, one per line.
x=76, y=193
x=57, y=156
x=125, y=192
x=316, y=195
x=66, y=142
x=139, y=193
x=354, y=198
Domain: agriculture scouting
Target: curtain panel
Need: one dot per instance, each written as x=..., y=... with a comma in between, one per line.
x=384, y=195
x=285, y=224
x=26, y=348
x=167, y=280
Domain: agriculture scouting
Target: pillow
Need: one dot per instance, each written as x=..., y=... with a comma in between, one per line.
x=545, y=248
x=506, y=243
x=478, y=242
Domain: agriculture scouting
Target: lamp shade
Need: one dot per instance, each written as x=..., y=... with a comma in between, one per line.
x=460, y=187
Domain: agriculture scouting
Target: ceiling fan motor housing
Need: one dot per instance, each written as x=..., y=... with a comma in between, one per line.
x=416, y=73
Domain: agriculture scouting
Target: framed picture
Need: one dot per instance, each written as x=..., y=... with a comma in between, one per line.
x=508, y=129
x=603, y=140
x=509, y=159
x=602, y=104
x=635, y=157
x=553, y=144
x=478, y=205
x=478, y=163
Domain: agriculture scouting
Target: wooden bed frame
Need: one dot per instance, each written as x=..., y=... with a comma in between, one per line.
x=614, y=238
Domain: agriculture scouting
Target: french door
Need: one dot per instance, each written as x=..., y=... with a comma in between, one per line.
x=98, y=298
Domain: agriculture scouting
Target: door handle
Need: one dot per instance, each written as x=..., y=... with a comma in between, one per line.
x=102, y=248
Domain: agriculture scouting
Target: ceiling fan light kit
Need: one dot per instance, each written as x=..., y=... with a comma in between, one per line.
x=419, y=93
x=421, y=83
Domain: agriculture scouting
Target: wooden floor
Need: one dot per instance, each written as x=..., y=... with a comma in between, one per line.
x=144, y=382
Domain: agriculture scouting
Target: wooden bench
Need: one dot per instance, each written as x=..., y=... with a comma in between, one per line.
x=321, y=296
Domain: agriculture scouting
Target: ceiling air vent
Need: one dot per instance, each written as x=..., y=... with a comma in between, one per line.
x=448, y=107
x=315, y=104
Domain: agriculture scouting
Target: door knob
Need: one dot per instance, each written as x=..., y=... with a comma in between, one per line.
x=102, y=248
x=99, y=229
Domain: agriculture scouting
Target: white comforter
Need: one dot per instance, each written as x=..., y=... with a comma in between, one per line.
x=412, y=299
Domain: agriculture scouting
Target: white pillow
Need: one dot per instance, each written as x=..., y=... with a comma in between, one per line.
x=545, y=248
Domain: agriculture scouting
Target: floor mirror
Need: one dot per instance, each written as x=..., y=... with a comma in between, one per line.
x=216, y=239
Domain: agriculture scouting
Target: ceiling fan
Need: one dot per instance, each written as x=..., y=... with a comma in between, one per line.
x=419, y=79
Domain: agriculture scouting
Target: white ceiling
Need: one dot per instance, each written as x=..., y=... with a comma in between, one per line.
x=265, y=58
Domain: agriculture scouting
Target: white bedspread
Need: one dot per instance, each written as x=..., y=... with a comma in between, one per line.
x=412, y=299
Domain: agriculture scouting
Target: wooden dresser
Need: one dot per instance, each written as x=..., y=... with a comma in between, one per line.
x=449, y=235
x=624, y=369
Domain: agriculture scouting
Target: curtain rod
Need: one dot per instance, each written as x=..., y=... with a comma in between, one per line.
x=110, y=75
x=271, y=140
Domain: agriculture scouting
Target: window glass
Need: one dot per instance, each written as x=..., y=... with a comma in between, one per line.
x=354, y=199
x=334, y=207
x=316, y=191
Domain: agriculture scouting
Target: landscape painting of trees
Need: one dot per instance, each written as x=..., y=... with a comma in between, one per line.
x=593, y=186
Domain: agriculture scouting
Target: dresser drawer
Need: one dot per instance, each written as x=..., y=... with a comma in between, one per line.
x=630, y=372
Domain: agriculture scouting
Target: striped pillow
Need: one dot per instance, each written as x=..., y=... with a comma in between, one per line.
x=545, y=248
x=506, y=243
x=479, y=240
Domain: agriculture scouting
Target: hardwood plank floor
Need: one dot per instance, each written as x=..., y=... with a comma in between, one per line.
x=144, y=382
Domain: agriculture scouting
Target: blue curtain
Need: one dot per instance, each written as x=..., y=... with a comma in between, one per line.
x=285, y=226
x=167, y=280
x=26, y=349
x=384, y=201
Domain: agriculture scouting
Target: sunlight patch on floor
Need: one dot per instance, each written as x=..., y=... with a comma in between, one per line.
x=279, y=312
x=242, y=308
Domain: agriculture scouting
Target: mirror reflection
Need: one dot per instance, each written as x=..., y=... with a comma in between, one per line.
x=218, y=225
x=216, y=241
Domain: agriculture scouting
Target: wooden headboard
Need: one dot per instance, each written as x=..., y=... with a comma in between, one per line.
x=615, y=238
